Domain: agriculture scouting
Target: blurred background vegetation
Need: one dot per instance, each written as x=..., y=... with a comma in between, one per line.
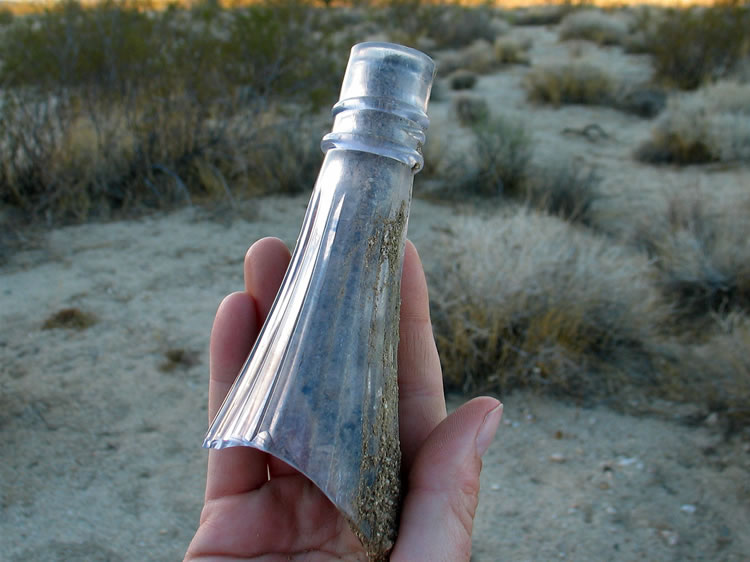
x=120, y=108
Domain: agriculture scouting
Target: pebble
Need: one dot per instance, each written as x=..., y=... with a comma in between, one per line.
x=687, y=508
x=494, y=487
x=627, y=461
x=557, y=457
x=670, y=537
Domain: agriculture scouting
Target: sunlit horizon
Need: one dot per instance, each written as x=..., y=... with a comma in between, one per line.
x=26, y=6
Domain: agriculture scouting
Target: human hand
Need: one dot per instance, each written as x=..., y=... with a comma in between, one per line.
x=258, y=507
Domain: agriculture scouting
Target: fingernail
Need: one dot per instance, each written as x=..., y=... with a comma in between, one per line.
x=487, y=431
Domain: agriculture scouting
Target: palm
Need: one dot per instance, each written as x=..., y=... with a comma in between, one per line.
x=257, y=507
x=287, y=515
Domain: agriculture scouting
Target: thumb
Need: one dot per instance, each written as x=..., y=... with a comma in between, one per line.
x=443, y=492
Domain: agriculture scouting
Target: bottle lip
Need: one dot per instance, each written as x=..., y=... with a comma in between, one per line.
x=392, y=46
x=388, y=70
x=382, y=107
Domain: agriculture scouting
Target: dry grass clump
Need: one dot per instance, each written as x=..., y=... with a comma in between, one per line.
x=710, y=125
x=695, y=45
x=594, y=25
x=470, y=110
x=113, y=108
x=496, y=164
x=69, y=319
x=179, y=358
x=702, y=251
x=527, y=300
x=569, y=84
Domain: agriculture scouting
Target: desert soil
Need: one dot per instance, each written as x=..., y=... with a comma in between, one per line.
x=102, y=459
x=102, y=431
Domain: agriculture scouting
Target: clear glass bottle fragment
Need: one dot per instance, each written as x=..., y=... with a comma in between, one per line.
x=319, y=389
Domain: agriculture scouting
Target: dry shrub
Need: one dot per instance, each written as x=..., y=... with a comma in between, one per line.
x=6, y=17
x=444, y=26
x=510, y=50
x=462, y=80
x=710, y=125
x=470, y=110
x=596, y=26
x=527, y=300
x=702, y=251
x=480, y=57
x=716, y=373
x=692, y=46
x=453, y=26
x=286, y=157
x=496, y=164
x=550, y=14
x=116, y=108
x=643, y=100
x=564, y=188
x=569, y=84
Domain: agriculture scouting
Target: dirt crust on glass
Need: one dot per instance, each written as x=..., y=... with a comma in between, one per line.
x=379, y=501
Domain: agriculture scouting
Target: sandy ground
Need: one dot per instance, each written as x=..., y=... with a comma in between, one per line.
x=101, y=456
x=102, y=459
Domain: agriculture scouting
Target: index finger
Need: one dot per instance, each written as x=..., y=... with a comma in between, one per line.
x=420, y=379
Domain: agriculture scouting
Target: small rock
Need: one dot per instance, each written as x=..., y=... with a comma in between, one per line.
x=494, y=487
x=712, y=419
x=670, y=537
x=687, y=508
x=557, y=457
x=627, y=461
